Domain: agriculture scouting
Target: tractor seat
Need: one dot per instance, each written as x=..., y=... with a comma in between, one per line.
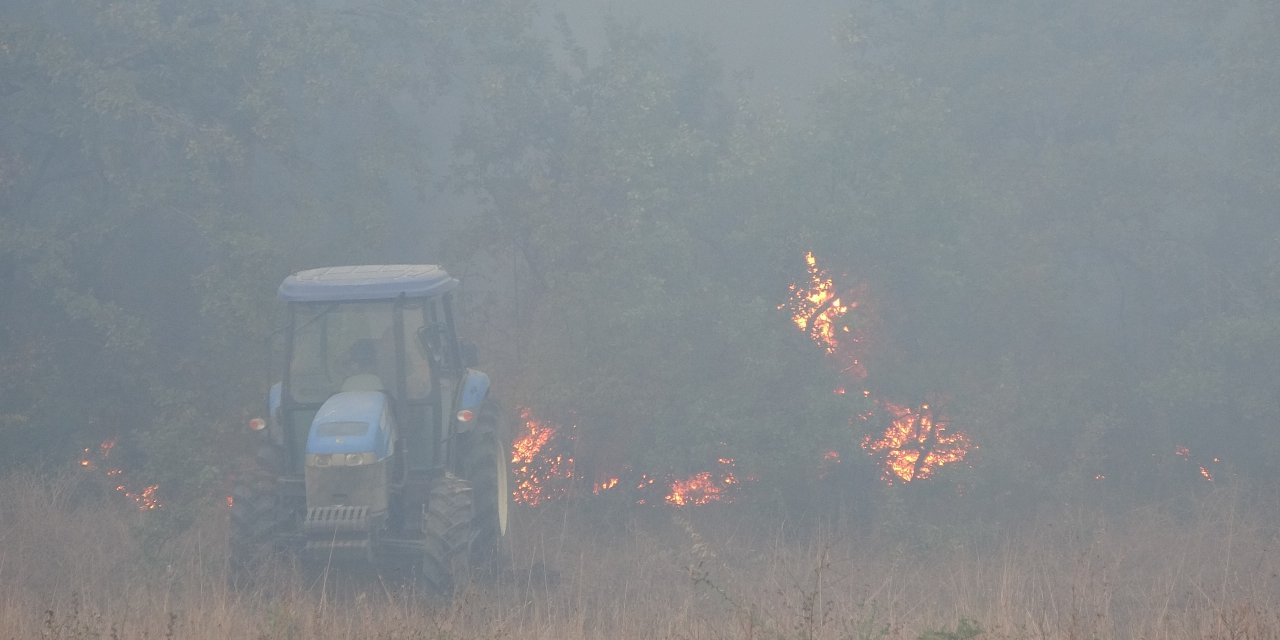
x=363, y=382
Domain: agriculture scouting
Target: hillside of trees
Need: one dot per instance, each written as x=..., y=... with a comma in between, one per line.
x=1061, y=218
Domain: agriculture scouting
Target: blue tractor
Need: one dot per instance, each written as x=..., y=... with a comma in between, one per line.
x=382, y=446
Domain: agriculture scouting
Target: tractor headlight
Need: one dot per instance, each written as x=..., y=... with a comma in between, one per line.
x=341, y=459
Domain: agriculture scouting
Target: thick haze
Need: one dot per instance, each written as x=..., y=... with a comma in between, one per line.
x=787, y=51
x=1058, y=220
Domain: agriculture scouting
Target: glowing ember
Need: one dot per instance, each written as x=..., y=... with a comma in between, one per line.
x=145, y=500
x=1185, y=454
x=540, y=470
x=830, y=462
x=915, y=444
x=104, y=451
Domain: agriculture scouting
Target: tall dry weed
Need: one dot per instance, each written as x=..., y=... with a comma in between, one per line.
x=72, y=566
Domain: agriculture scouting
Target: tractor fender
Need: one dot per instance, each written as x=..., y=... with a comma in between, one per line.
x=274, y=400
x=472, y=391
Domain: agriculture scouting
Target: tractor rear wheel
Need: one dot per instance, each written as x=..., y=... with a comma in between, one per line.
x=484, y=465
x=447, y=534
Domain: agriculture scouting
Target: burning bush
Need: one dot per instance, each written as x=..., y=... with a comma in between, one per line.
x=913, y=443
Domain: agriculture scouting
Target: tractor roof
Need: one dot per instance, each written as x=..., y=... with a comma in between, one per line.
x=367, y=282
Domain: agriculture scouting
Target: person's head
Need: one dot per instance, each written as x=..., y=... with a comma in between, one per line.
x=362, y=356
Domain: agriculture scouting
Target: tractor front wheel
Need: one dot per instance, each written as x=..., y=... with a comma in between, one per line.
x=257, y=514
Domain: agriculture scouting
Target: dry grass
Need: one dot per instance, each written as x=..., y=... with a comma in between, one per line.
x=74, y=568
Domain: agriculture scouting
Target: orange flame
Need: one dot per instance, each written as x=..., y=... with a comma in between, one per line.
x=703, y=487
x=605, y=485
x=915, y=444
x=539, y=470
x=544, y=473
x=819, y=311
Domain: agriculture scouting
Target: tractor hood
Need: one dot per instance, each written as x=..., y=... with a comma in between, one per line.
x=352, y=422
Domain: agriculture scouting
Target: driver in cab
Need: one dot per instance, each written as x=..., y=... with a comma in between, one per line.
x=362, y=363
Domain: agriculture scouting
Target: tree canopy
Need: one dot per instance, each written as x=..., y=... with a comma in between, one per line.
x=1059, y=218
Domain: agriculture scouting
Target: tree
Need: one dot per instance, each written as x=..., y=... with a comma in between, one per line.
x=164, y=164
x=645, y=320
x=1083, y=179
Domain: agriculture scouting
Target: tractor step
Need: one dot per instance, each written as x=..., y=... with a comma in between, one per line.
x=327, y=521
x=346, y=531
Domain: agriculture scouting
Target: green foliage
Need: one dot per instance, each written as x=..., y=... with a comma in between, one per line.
x=966, y=629
x=1061, y=217
x=162, y=166
x=1022, y=194
x=1055, y=218
x=644, y=325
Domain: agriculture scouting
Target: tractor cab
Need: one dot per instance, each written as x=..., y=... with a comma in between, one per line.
x=382, y=329
x=376, y=421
